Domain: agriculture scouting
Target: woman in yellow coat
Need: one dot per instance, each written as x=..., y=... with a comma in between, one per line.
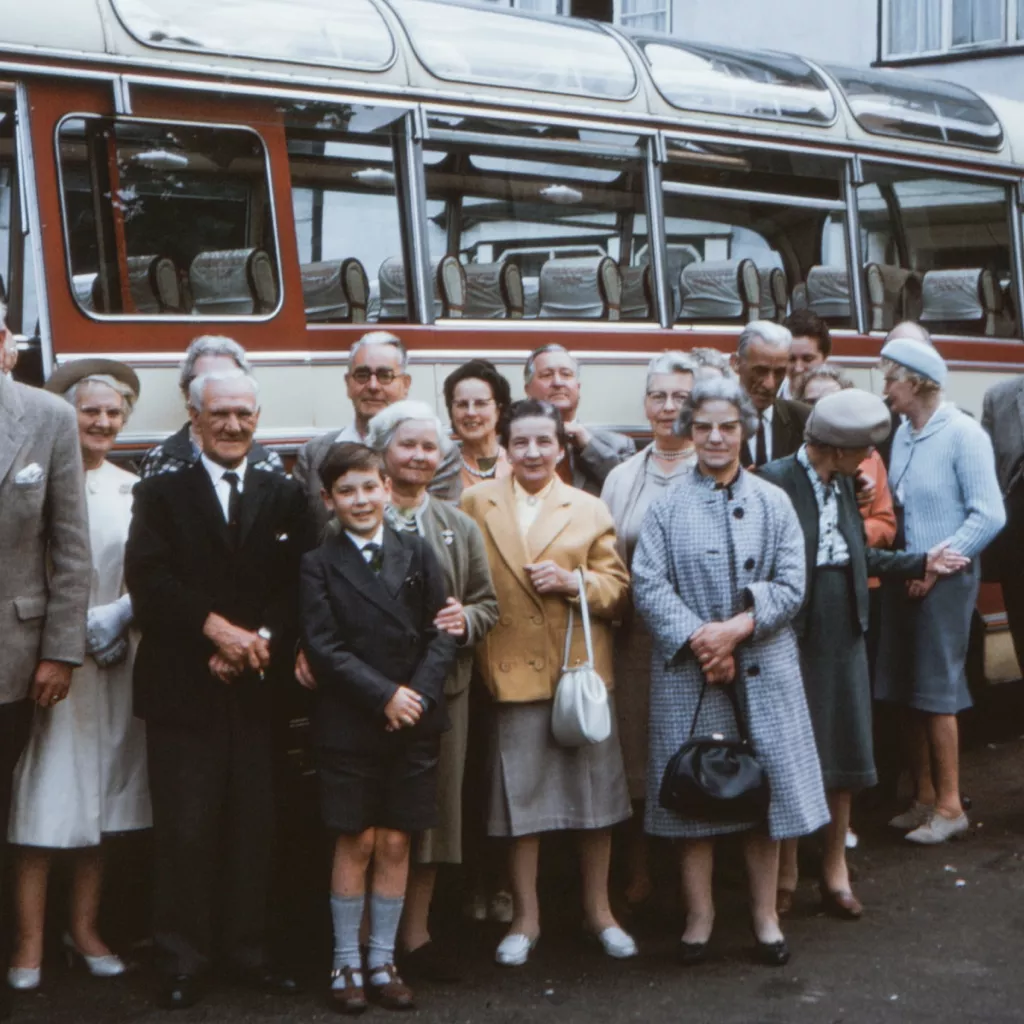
x=538, y=531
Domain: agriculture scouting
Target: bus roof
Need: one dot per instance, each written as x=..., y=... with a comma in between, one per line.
x=470, y=52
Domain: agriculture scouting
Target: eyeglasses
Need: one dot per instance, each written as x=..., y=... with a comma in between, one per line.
x=472, y=404
x=362, y=374
x=659, y=398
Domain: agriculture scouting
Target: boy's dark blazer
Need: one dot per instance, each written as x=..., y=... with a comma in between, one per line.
x=365, y=633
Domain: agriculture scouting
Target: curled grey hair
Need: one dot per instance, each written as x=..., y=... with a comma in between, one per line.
x=532, y=358
x=717, y=389
x=909, y=329
x=827, y=371
x=772, y=334
x=922, y=384
x=385, y=424
x=210, y=345
x=671, y=362
x=380, y=338
x=197, y=387
x=128, y=397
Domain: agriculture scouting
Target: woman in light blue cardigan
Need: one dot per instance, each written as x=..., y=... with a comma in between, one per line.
x=943, y=479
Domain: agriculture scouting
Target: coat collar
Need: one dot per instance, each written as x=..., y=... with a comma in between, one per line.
x=254, y=494
x=12, y=427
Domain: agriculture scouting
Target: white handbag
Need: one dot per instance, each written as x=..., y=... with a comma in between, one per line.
x=581, y=714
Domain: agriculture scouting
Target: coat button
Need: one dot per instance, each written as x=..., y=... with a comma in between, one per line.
x=505, y=667
x=538, y=664
x=506, y=620
x=737, y=513
x=538, y=620
x=749, y=564
x=754, y=670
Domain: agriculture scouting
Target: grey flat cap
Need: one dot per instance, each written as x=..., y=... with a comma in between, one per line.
x=918, y=356
x=849, y=419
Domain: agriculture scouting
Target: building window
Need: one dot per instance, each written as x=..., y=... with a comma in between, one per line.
x=920, y=28
x=536, y=6
x=648, y=15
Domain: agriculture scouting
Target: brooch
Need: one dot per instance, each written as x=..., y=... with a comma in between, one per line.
x=448, y=537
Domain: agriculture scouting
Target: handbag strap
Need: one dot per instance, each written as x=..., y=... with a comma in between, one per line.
x=585, y=619
x=730, y=692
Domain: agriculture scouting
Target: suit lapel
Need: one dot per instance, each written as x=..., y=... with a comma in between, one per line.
x=806, y=506
x=851, y=525
x=555, y=514
x=12, y=426
x=397, y=559
x=254, y=493
x=348, y=562
x=504, y=530
x=208, y=503
x=781, y=432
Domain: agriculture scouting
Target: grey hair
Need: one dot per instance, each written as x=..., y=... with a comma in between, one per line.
x=198, y=385
x=128, y=396
x=717, y=389
x=772, y=334
x=922, y=384
x=824, y=372
x=380, y=338
x=671, y=362
x=532, y=358
x=210, y=345
x=909, y=329
x=385, y=424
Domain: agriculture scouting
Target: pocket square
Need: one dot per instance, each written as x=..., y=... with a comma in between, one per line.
x=282, y=536
x=30, y=474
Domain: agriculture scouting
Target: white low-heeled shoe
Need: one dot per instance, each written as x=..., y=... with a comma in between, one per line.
x=514, y=950
x=616, y=943
x=107, y=966
x=24, y=979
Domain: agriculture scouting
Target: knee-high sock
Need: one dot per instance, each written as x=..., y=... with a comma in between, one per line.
x=385, y=913
x=347, y=915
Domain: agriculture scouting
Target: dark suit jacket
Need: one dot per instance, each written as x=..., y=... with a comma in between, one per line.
x=788, y=474
x=787, y=429
x=1003, y=417
x=365, y=634
x=180, y=567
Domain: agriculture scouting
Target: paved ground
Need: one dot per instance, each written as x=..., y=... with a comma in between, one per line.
x=940, y=942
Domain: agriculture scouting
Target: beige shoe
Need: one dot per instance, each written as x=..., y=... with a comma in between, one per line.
x=938, y=829
x=917, y=815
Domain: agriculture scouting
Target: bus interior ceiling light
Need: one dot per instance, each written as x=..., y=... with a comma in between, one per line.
x=375, y=176
x=160, y=160
x=563, y=195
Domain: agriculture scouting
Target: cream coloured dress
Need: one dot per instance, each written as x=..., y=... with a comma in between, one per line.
x=83, y=772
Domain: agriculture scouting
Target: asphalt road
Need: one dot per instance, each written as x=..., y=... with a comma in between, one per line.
x=940, y=942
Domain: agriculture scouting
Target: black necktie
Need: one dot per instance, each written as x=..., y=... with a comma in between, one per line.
x=234, y=503
x=374, y=555
x=761, y=456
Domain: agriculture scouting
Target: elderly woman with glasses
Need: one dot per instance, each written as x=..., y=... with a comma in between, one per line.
x=412, y=442
x=719, y=577
x=83, y=774
x=629, y=491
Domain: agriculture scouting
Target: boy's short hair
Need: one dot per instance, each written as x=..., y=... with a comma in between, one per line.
x=343, y=458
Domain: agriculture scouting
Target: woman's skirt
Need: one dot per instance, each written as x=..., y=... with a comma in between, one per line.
x=833, y=661
x=443, y=845
x=922, y=652
x=633, y=689
x=538, y=786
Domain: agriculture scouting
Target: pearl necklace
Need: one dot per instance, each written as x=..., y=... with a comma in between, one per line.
x=672, y=456
x=483, y=474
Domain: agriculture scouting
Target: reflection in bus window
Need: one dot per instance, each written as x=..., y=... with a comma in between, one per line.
x=753, y=234
x=558, y=234
x=190, y=230
x=347, y=216
x=937, y=249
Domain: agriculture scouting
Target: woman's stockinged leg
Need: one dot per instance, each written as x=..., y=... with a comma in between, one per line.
x=523, y=860
x=920, y=752
x=944, y=741
x=32, y=870
x=696, y=866
x=762, y=857
x=789, y=871
x=595, y=863
x=834, y=871
x=86, y=889
x=418, y=896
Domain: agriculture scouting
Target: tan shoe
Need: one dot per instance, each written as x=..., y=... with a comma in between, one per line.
x=938, y=829
x=915, y=816
x=392, y=994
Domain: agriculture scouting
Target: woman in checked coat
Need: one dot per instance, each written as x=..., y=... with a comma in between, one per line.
x=719, y=575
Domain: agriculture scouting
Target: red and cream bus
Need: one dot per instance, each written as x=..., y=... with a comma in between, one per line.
x=481, y=181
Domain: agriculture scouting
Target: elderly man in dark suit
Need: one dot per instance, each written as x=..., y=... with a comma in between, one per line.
x=1003, y=417
x=761, y=362
x=212, y=566
x=45, y=570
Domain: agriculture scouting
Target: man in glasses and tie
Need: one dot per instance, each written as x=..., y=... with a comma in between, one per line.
x=212, y=564
x=761, y=361
x=377, y=377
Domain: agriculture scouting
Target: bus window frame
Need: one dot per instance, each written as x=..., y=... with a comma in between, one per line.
x=176, y=318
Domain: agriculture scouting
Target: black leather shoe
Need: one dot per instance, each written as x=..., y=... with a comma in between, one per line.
x=691, y=953
x=266, y=979
x=179, y=992
x=771, y=954
x=430, y=963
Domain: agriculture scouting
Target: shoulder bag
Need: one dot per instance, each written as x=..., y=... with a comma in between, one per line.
x=581, y=714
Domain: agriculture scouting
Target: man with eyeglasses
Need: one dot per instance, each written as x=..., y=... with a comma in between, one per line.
x=552, y=375
x=377, y=377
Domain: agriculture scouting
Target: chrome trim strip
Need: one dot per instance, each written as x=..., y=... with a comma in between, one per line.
x=1015, y=213
x=714, y=192
x=656, y=235
x=851, y=228
x=414, y=208
x=565, y=147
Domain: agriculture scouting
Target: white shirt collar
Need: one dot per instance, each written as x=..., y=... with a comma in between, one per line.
x=361, y=542
x=769, y=414
x=216, y=471
x=349, y=434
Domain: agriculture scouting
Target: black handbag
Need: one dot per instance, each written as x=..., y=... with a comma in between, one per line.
x=710, y=778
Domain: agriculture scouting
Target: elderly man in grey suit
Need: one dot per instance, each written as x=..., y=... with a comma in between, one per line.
x=552, y=374
x=1003, y=417
x=377, y=377
x=46, y=569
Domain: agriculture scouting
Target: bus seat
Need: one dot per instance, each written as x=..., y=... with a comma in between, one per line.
x=580, y=288
x=728, y=290
x=531, y=297
x=828, y=294
x=637, y=293
x=394, y=305
x=233, y=281
x=155, y=286
x=798, y=298
x=84, y=286
x=960, y=300
x=894, y=294
x=494, y=291
x=774, y=293
x=451, y=283
x=335, y=290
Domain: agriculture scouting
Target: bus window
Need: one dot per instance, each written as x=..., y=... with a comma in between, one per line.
x=556, y=232
x=753, y=234
x=937, y=249
x=167, y=219
x=347, y=214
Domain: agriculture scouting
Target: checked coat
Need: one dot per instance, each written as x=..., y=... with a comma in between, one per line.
x=704, y=554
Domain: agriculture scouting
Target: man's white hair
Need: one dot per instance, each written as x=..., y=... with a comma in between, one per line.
x=197, y=388
x=670, y=362
x=385, y=424
x=772, y=334
x=380, y=338
x=210, y=345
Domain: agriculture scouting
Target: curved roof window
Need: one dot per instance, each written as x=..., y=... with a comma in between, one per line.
x=504, y=48
x=716, y=79
x=890, y=103
x=300, y=31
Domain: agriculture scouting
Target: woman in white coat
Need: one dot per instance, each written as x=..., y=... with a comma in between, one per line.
x=83, y=773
